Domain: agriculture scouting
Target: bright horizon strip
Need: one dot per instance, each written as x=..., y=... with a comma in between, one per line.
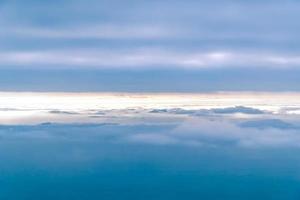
x=36, y=107
x=86, y=101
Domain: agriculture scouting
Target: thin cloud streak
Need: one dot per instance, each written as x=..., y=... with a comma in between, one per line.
x=109, y=31
x=147, y=59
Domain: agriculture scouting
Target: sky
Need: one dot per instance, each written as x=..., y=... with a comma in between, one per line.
x=149, y=46
x=149, y=99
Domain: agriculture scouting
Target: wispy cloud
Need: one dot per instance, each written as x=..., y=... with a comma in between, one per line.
x=110, y=31
x=195, y=132
x=146, y=58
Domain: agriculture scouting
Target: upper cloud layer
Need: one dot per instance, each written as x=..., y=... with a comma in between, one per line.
x=145, y=59
x=239, y=45
x=189, y=35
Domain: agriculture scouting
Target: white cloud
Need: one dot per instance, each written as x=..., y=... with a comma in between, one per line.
x=156, y=120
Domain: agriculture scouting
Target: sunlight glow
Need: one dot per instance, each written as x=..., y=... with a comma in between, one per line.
x=37, y=107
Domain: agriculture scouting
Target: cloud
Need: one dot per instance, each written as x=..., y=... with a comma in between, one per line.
x=187, y=35
x=158, y=139
x=269, y=123
x=290, y=110
x=109, y=31
x=237, y=109
x=201, y=112
x=194, y=132
x=218, y=132
x=63, y=112
x=154, y=120
x=145, y=59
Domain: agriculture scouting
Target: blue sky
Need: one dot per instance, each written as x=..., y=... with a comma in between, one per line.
x=160, y=46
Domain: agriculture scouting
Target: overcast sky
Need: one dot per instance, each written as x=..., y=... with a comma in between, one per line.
x=164, y=46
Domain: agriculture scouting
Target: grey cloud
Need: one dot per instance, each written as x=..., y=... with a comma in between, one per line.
x=63, y=112
x=9, y=109
x=147, y=58
x=237, y=109
x=220, y=132
x=201, y=112
x=289, y=110
x=157, y=139
x=269, y=123
x=159, y=111
x=104, y=132
x=94, y=32
x=237, y=33
x=195, y=132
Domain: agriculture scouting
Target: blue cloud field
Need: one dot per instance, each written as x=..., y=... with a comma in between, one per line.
x=166, y=152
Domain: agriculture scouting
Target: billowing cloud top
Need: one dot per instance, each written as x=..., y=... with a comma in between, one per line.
x=242, y=120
